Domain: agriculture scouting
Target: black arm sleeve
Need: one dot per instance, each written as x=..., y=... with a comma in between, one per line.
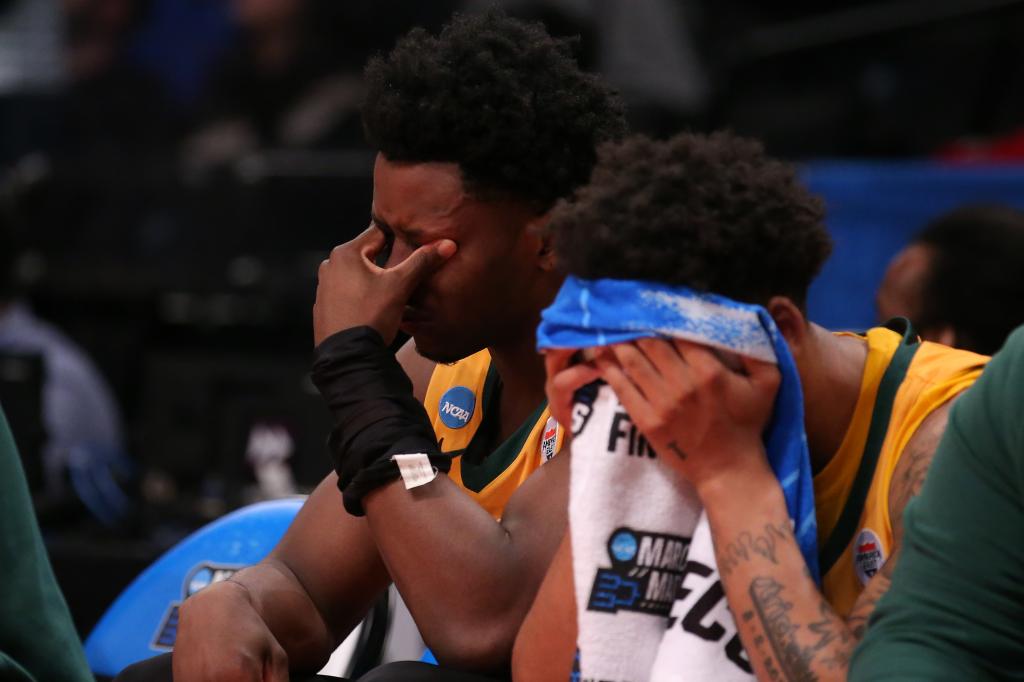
x=375, y=413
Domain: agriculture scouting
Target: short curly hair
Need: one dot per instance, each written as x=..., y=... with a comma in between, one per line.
x=711, y=212
x=498, y=96
x=973, y=282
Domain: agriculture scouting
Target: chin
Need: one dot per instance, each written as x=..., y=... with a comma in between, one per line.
x=440, y=350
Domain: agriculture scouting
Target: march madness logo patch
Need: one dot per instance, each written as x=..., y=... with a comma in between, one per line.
x=548, y=440
x=868, y=555
x=645, y=572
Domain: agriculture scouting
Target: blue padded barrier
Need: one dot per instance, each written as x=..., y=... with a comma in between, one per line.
x=874, y=209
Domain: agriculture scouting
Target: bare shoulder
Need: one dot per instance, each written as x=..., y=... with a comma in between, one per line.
x=417, y=367
x=910, y=472
x=907, y=479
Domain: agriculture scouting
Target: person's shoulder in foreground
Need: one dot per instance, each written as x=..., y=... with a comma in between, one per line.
x=955, y=610
x=37, y=639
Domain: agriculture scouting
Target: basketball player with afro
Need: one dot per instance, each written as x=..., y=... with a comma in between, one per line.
x=480, y=130
x=715, y=214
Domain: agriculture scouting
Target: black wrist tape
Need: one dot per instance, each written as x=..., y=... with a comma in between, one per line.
x=375, y=413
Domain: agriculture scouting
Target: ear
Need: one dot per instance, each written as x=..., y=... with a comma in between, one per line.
x=791, y=323
x=538, y=228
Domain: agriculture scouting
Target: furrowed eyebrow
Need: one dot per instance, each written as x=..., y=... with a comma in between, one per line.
x=381, y=224
x=405, y=233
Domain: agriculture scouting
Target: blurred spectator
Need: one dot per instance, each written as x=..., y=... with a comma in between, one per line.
x=81, y=420
x=295, y=78
x=103, y=163
x=31, y=73
x=645, y=48
x=113, y=109
x=283, y=86
x=959, y=281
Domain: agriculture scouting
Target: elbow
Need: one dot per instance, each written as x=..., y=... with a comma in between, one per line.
x=481, y=647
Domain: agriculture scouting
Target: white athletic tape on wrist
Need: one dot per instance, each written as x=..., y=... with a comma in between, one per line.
x=416, y=469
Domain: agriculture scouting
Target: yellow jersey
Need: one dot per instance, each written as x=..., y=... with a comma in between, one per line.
x=462, y=403
x=904, y=381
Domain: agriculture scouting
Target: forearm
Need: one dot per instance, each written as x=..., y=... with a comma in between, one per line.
x=789, y=630
x=468, y=580
x=546, y=644
x=280, y=601
x=320, y=580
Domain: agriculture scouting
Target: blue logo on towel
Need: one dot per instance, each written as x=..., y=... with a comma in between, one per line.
x=456, y=407
x=645, y=572
x=623, y=545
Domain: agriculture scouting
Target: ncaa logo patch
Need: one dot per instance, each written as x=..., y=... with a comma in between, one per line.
x=868, y=555
x=456, y=407
x=548, y=440
x=623, y=545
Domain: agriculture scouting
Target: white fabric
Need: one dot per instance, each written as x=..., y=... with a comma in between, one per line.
x=619, y=492
x=702, y=641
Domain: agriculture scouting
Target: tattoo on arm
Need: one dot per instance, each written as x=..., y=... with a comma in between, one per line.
x=786, y=659
x=857, y=621
x=913, y=465
x=908, y=481
x=748, y=545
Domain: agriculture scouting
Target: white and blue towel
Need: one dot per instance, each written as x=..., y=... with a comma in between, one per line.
x=615, y=480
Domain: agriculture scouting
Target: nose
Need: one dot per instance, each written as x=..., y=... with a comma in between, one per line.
x=399, y=252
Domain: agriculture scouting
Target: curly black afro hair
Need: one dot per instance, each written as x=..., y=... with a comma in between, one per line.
x=498, y=96
x=711, y=212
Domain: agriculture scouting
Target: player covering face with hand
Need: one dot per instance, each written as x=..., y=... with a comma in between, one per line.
x=480, y=129
x=714, y=216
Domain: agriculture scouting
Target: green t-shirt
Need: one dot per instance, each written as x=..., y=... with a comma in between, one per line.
x=956, y=607
x=37, y=639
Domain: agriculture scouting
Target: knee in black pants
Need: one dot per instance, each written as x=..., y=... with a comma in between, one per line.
x=158, y=669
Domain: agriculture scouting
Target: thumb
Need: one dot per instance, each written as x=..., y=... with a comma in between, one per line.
x=421, y=262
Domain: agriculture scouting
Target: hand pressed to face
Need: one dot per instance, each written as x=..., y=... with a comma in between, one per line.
x=352, y=291
x=563, y=379
x=703, y=418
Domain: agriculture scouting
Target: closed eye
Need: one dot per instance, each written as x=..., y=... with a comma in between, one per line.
x=389, y=244
x=412, y=239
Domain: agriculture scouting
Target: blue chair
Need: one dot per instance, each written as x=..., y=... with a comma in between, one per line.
x=143, y=621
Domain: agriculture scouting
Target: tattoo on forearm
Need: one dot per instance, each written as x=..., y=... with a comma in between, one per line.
x=675, y=448
x=784, y=658
x=857, y=621
x=834, y=639
x=749, y=545
x=791, y=662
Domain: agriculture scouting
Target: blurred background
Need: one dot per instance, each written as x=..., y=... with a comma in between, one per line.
x=172, y=172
